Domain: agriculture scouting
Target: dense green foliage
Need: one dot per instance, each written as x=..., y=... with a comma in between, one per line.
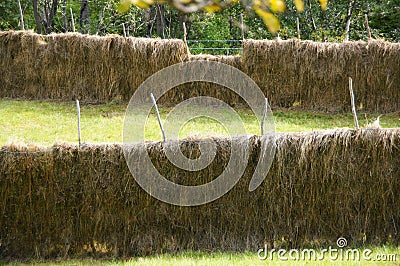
x=166, y=22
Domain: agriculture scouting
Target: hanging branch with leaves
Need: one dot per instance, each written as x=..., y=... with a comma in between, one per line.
x=266, y=9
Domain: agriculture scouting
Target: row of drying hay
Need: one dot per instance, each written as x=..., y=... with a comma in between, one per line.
x=312, y=75
x=202, y=88
x=322, y=185
x=72, y=65
x=315, y=75
x=290, y=73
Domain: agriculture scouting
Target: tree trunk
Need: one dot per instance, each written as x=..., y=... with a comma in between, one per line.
x=152, y=18
x=146, y=18
x=21, y=15
x=182, y=19
x=351, y=5
x=312, y=17
x=44, y=18
x=64, y=16
x=45, y=15
x=52, y=14
x=37, y=17
x=160, y=17
x=84, y=16
x=231, y=33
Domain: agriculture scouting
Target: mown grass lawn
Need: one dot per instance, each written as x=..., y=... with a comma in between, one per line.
x=45, y=122
x=228, y=258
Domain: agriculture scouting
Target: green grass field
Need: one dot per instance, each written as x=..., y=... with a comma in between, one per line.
x=45, y=123
x=391, y=255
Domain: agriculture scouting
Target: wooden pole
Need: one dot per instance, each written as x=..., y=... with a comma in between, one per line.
x=123, y=29
x=264, y=116
x=78, y=109
x=184, y=32
x=158, y=116
x=72, y=19
x=242, y=26
x=21, y=15
x=353, y=104
x=367, y=26
x=298, y=28
x=184, y=36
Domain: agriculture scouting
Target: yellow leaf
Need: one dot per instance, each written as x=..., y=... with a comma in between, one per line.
x=277, y=5
x=323, y=3
x=256, y=3
x=299, y=5
x=143, y=3
x=124, y=6
x=269, y=19
x=149, y=2
x=212, y=8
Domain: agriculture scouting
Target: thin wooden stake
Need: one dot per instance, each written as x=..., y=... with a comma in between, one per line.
x=353, y=104
x=123, y=29
x=72, y=19
x=78, y=109
x=21, y=15
x=242, y=26
x=184, y=37
x=264, y=116
x=184, y=32
x=158, y=116
x=298, y=28
x=367, y=26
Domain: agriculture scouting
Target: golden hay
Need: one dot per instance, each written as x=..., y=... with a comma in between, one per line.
x=322, y=185
x=72, y=65
x=194, y=89
x=307, y=74
x=316, y=74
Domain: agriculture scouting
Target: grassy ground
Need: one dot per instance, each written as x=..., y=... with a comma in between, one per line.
x=225, y=258
x=48, y=122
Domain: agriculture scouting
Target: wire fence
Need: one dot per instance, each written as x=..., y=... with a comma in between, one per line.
x=215, y=47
